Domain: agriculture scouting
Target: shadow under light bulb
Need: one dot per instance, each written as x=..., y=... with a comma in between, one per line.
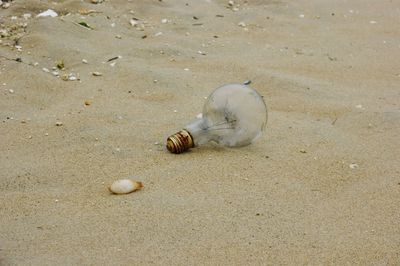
x=234, y=115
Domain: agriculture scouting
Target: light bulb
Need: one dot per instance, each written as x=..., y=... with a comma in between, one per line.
x=233, y=115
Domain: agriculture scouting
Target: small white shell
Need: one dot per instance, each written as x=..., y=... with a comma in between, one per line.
x=125, y=186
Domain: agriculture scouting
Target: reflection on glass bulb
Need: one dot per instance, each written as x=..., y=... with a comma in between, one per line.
x=234, y=115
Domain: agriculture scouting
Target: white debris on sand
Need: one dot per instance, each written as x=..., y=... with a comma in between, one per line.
x=48, y=13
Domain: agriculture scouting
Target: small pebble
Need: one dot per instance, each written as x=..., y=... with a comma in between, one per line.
x=125, y=186
x=87, y=102
x=242, y=24
x=11, y=90
x=353, y=166
x=133, y=22
x=95, y=73
x=59, y=123
x=84, y=61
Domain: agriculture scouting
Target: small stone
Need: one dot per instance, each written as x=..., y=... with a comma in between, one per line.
x=6, y=5
x=46, y=134
x=134, y=22
x=46, y=70
x=48, y=13
x=87, y=102
x=60, y=64
x=59, y=123
x=231, y=3
x=303, y=151
x=97, y=74
x=84, y=61
x=11, y=90
x=301, y=16
x=164, y=20
x=242, y=24
x=118, y=37
x=125, y=186
x=72, y=78
x=353, y=166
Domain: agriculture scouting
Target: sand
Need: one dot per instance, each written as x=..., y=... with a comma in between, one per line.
x=321, y=187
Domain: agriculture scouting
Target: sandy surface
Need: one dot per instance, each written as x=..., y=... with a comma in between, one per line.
x=328, y=70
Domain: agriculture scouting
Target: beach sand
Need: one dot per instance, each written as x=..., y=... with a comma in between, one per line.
x=321, y=187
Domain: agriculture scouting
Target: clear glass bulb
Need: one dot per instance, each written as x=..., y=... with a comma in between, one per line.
x=234, y=115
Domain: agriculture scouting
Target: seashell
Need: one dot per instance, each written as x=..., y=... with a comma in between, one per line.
x=125, y=186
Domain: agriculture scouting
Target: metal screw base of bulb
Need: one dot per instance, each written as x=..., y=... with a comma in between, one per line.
x=180, y=142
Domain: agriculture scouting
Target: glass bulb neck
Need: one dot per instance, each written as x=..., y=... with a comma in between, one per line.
x=180, y=142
